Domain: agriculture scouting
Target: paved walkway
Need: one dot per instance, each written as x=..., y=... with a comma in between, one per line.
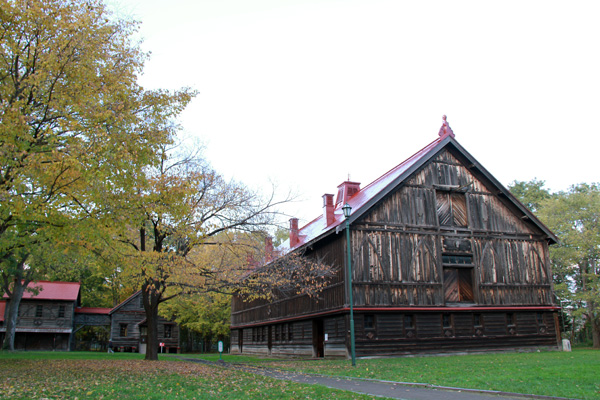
x=393, y=390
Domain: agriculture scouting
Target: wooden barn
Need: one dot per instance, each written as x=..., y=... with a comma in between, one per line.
x=128, y=328
x=443, y=258
x=45, y=319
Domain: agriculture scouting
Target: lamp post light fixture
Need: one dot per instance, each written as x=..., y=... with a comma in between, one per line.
x=346, y=209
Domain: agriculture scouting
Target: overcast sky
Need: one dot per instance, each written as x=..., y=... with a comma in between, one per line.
x=306, y=92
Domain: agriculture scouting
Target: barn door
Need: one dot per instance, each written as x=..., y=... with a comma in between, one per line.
x=270, y=338
x=240, y=340
x=451, y=285
x=318, y=338
x=458, y=285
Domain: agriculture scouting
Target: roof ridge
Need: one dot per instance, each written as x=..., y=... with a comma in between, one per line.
x=432, y=144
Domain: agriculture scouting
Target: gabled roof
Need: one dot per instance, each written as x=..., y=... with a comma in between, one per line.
x=127, y=300
x=68, y=291
x=368, y=196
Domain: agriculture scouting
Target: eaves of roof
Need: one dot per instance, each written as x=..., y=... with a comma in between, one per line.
x=92, y=310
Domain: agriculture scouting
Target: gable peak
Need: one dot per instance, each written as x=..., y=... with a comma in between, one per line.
x=445, y=130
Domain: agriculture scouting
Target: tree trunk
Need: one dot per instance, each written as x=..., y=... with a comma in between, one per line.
x=595, y=333
x=151, y=299
x=12, y=313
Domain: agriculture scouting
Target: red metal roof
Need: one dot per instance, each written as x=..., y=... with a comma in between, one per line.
x=318, y=226
x=52, y=291
x=373, y=192
x=92, y=310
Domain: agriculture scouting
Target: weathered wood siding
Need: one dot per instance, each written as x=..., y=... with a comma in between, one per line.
x=51, y=316
x=445, y=235
x=400, y=243
x=44, y=325
x=130, y=314
x=331, y=298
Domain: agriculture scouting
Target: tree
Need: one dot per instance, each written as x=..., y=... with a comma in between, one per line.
x=191, y=231
x=72, y=121
x=574, y=216
x=207, y=314
x=532, y=194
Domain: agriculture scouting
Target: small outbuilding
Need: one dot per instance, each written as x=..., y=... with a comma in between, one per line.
x=46, y=314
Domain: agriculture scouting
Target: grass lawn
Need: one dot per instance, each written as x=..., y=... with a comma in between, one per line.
x=572, y=375
x=56, y=375
x=89, y=375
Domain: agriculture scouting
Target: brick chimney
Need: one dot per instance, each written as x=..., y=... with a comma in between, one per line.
x=346, y=190
x=328, y=209
x=268, y=249
x=294, y=238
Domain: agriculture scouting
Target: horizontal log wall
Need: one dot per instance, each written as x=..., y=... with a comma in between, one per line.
x=50, y=314
x=428, y=332
x=389, y=333
x=131, y=314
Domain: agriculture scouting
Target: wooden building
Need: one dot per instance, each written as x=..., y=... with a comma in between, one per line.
x=45, y=319
x=128, y=328
x=444, y=258
x=49, y=318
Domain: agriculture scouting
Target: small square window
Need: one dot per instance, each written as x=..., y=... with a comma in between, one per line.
x=409, y=322
x=540, y=318
x=369, y=321
x=511, y=319
x=447, y=320
x=476, y=319
x=123, y=330
x=39, y=311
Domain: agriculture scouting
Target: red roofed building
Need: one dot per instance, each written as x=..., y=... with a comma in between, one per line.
x=49, y=317
x=443, y=258
x=45, y=320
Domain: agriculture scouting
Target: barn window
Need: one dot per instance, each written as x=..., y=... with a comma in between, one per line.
x=511, y=319
x=451, y=208
x=458, y=278
x=477, y=320
x=123, y=330
x=369, y=321
x=168, y=331
x=540, y=318
x=39, y=311
x=290, y=337
x=61, y=311
x=447, y=320
x=409, y=321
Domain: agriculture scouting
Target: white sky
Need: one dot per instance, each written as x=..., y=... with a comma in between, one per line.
x=305, y=92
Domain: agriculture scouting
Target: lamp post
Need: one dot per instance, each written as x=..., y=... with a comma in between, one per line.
x=347, y=210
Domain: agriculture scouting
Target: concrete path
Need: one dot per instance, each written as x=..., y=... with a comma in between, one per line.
x=376, y=388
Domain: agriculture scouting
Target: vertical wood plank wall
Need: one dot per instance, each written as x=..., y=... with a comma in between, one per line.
x=398, y=248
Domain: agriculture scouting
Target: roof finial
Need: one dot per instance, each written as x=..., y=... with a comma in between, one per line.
x=445, y=130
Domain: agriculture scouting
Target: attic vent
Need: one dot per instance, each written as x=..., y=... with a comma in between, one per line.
x=346, y=190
